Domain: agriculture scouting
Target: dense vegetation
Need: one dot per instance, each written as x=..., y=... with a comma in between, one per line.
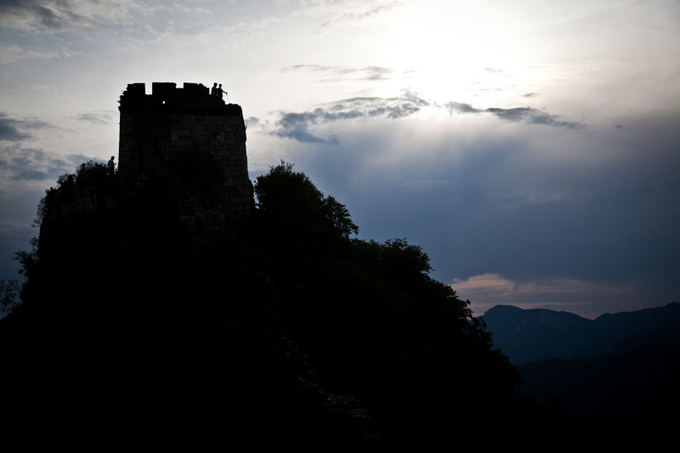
x=283, y=331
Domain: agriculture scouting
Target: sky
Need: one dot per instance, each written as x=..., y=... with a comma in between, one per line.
x=530, y=147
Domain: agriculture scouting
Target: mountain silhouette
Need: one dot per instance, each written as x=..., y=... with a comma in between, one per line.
x=530, y=335
x=617, y=374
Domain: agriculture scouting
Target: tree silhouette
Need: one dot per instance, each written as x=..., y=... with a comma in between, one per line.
x=9, y=295
x=288, y=330
x=372, y=319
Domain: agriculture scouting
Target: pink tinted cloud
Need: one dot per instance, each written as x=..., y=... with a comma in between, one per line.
x=585, y=298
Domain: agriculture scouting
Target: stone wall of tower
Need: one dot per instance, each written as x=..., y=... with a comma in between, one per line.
x=195, y=144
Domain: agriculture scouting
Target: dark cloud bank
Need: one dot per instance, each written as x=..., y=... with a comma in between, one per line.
x=298, y=125
x=15, y=130
x=19, y=163
x=51, y=15
x=524, y=114
x=593, y=205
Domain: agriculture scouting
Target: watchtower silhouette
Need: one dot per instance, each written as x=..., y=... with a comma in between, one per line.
x=193, y=143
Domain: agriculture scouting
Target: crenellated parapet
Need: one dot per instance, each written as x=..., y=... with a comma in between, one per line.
x=194, y=98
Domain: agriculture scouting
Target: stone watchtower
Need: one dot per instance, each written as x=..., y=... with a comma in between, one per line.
x=194, y=144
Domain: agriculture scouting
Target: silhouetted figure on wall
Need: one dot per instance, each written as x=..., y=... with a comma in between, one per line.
x=213, y=90
x=220, y=91
x=111, y=166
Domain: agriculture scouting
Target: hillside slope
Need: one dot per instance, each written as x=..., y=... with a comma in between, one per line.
x=286, y=332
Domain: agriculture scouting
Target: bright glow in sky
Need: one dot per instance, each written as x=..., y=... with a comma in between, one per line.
x=531, y=142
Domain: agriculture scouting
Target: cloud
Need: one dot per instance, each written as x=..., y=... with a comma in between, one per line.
x=9, y=130
x=354, y=12
x=340, y=12
x=338, y=73
x=95, y=117
x=587, y=298
x=296, y=125
x=11, y=53
x=461, y=108
x=545, y=208
x=516, y=114
x=15, y=130
x=32, y=164
x=252, y=121
x=57, y=15
x=487, y=283
x=531, y=115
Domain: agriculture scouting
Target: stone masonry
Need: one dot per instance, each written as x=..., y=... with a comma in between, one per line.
x=195, y=144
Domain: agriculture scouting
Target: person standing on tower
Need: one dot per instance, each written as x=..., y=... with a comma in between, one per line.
x=213, y=90
x=112, y=166
x=220, y=91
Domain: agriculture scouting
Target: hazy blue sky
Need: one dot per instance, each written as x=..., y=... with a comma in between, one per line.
x=532, y=148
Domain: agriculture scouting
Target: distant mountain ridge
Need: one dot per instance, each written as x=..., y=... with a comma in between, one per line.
x=616, y=374
x=530, y=335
